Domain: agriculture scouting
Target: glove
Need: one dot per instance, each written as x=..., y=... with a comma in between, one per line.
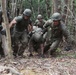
x=68, y=48
x=3, y=32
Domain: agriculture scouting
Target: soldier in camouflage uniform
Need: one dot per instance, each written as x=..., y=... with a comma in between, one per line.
x=40, y=21
x=58, y=30
x=22, y=27
x=36, y=42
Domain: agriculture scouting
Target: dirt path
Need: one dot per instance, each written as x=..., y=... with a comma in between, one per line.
x=63, y=64
x=40, y=66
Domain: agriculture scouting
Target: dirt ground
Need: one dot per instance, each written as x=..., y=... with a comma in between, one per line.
x=63, y=64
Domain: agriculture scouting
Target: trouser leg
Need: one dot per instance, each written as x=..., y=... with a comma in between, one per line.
x=24, y=43
x=46, y=48
x=41, y=49
x=15, y=40
x=53, y=47
x=31, y=47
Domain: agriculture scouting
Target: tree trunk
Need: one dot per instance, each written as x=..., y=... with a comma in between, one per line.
x=8, y=41
x=38, y=6
x=32, y=8
x=56, y=6
x=48, y=8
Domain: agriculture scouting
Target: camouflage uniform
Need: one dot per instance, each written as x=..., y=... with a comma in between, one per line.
x=20, y=32
x=36, y=42
x=40, y=21
x=39, y=24
x=56, y=33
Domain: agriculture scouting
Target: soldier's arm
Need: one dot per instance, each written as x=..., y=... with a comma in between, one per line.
x=47, y=23
x=13, y=22
x=67, y=35
x=35, y=24
x=30, y=29
x=30, y=26
x=65, y=31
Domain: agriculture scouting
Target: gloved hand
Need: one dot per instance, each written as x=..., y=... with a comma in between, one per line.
x=67, y=48
x=3, y=32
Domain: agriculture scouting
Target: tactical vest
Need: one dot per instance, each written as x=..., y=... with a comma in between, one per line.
x=56, y=32
x=22, y=24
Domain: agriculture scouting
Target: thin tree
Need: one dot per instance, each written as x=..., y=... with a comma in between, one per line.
x=8, y=41
x=48, y=8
